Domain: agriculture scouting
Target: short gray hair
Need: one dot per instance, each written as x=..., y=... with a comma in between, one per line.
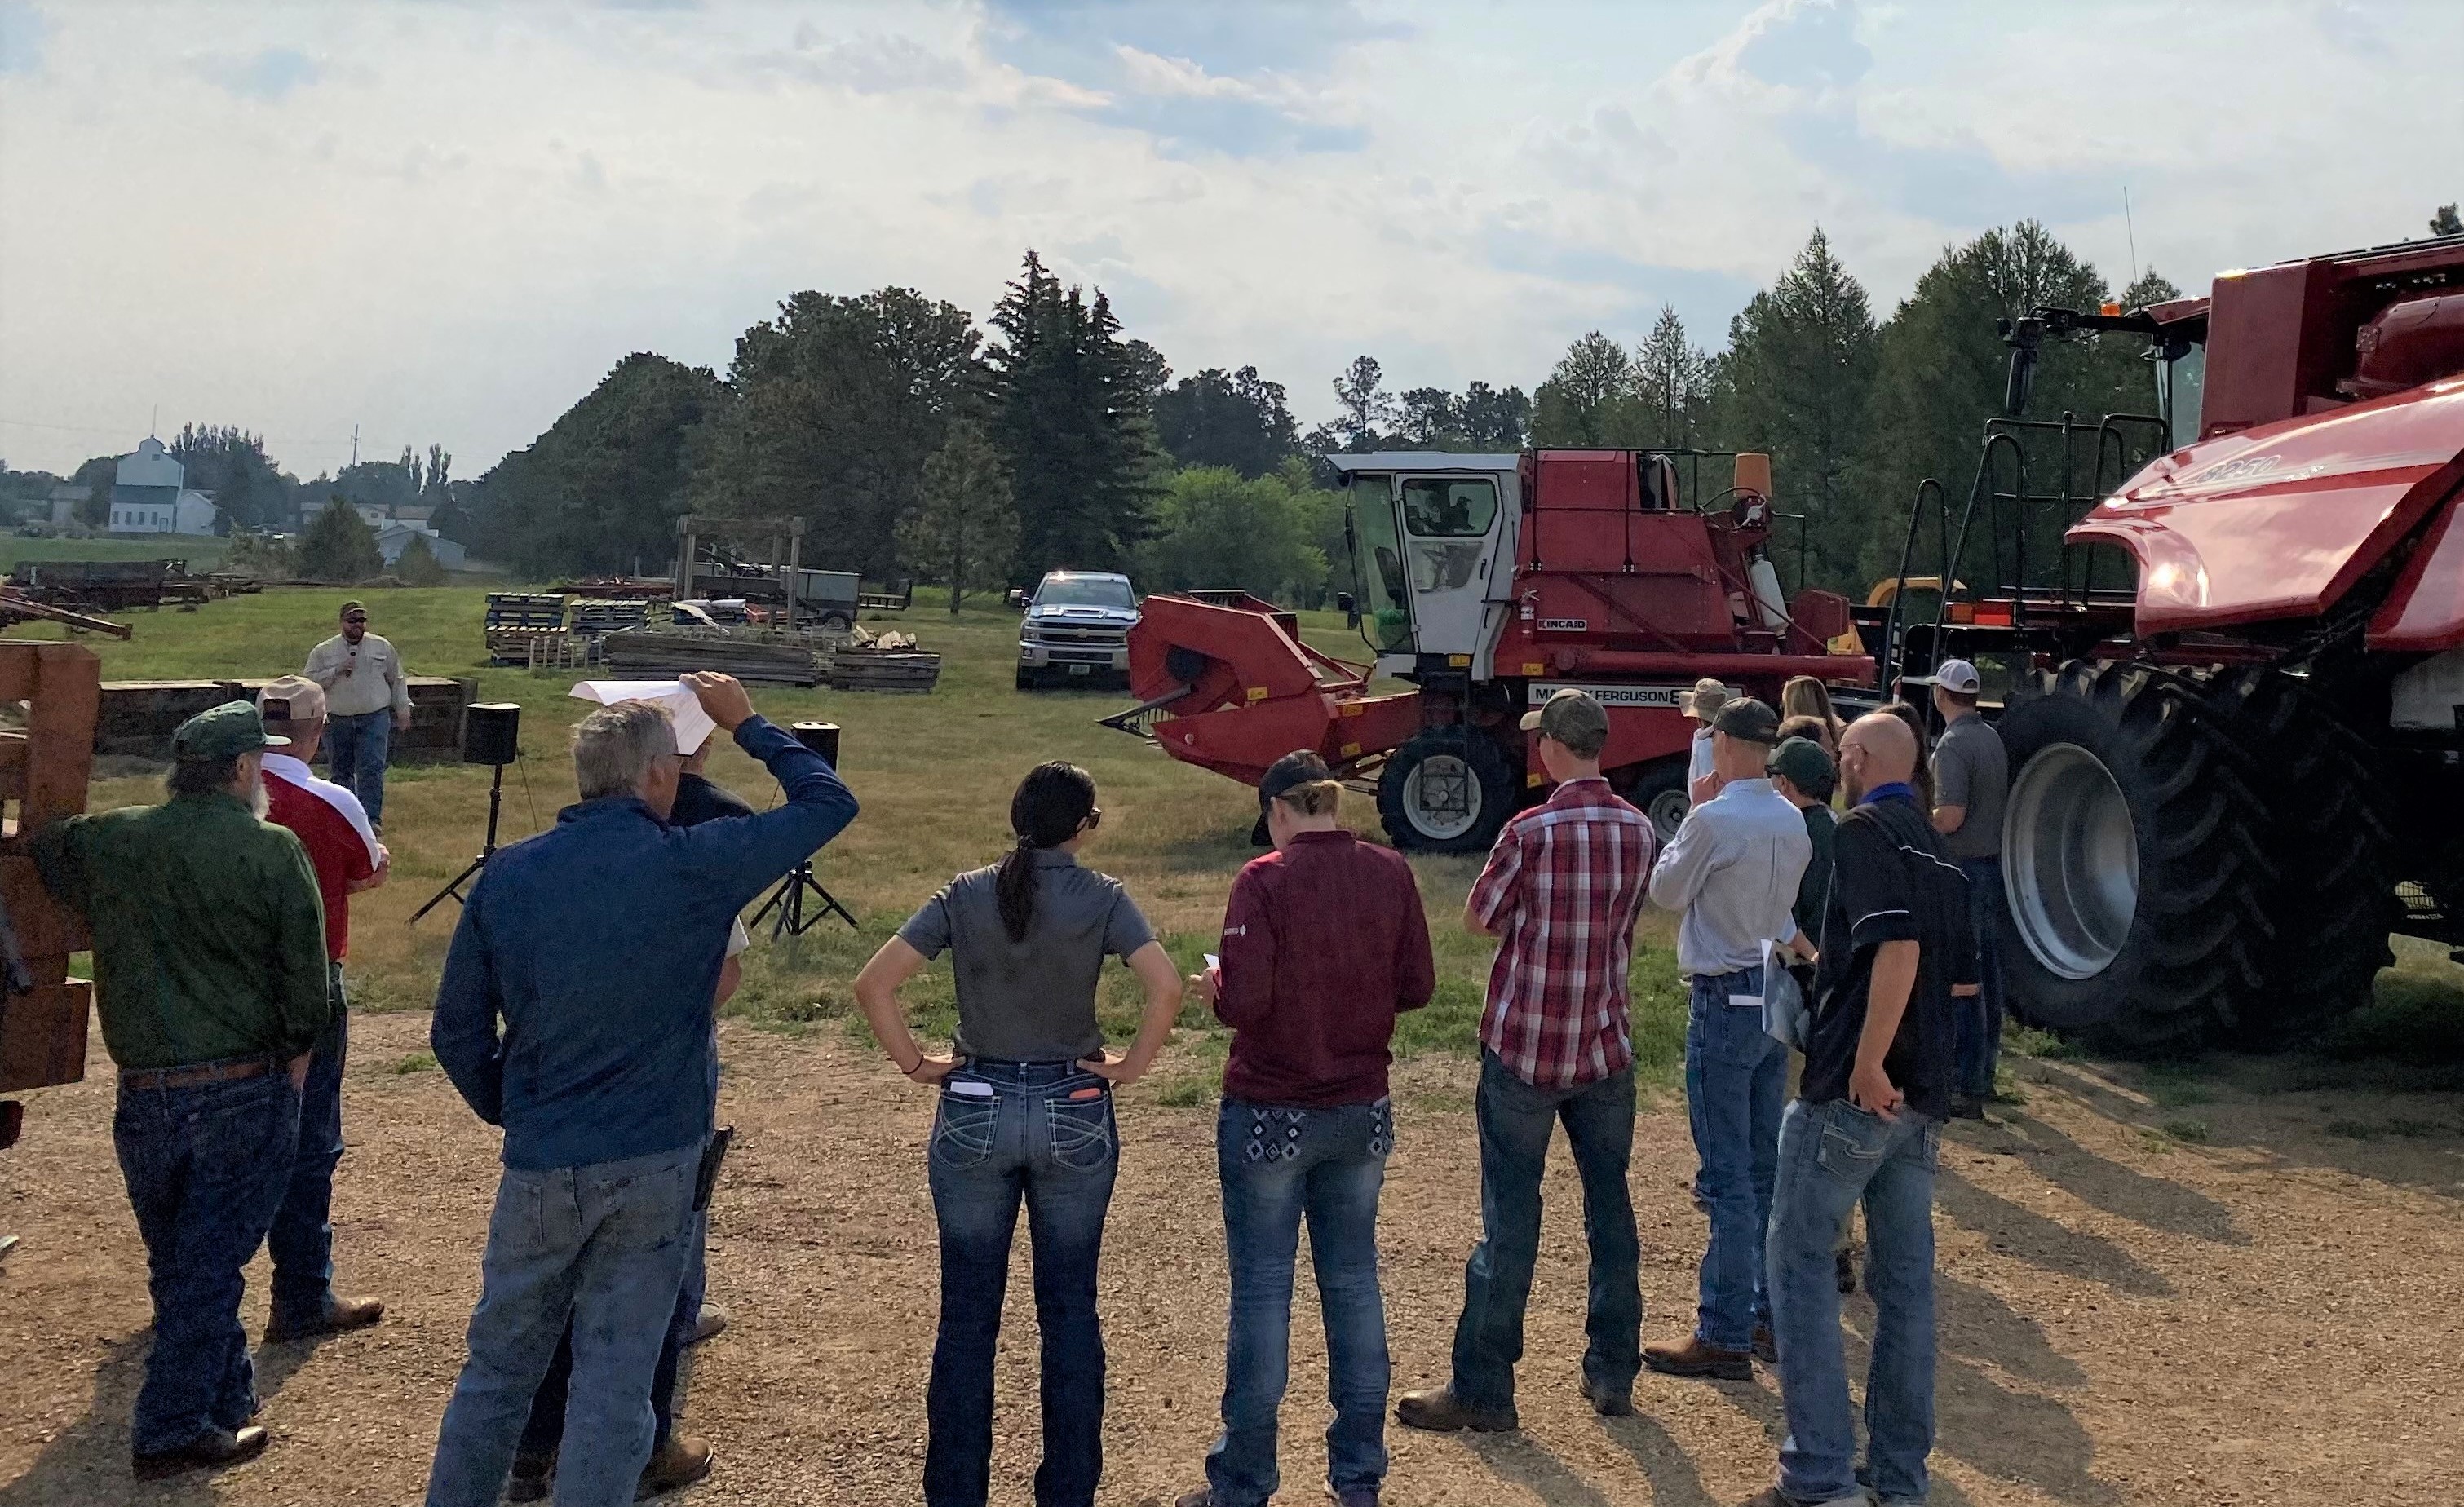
x=613, y=748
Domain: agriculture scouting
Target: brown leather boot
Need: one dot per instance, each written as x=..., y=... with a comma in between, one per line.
x=678, y=1463
x=340, y=1314
x=1691, y=1356
x=1766, y=1344
x=1439, y=1412
x=215, y=1446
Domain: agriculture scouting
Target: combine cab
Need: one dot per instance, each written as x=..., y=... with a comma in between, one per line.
x=2227, y=641
x=1486, y=582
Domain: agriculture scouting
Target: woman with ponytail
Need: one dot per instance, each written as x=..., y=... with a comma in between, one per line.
x=1025, y=1116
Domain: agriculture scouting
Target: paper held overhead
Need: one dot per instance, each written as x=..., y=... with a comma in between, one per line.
x=693, y=724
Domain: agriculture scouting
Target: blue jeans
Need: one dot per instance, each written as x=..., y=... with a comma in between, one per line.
x=206, y=1168
x=1515, y=1121
x=1736, y=1084
x=1831, y=1156
x=1279, y=1166
x=355, y=752
x=1007, y=1134
x=545, y=1429
x=604, y=1246
x=302, y=1241
x=1980, y=1017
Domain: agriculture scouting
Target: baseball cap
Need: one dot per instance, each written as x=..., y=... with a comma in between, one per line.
x=1573, y=718
x=307, y=698
x=223, y=732
x=1299, y=767
x=1748, y=719
x=1807, y=767
x=1709, y=697
x=350, y=608
x=1956, y=676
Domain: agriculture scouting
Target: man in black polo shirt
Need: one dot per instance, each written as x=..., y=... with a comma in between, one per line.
x=1879, y=1070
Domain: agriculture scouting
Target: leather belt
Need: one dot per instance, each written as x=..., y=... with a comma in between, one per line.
x=202, y=1073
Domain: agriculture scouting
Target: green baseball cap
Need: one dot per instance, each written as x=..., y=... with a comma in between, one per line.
x=225, y=732
x=1573, y=718
x=1807, y=767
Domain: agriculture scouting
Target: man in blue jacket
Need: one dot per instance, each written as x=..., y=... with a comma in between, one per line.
x=599, y=945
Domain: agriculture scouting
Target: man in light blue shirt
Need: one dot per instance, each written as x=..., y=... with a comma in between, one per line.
x=1733, y=869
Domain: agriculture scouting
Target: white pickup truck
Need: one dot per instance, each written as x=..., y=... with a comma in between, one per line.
x=1077, y=630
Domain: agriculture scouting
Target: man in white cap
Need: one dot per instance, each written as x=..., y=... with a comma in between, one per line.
x=1703, y=704
x=343, y=850
x=1972, y=775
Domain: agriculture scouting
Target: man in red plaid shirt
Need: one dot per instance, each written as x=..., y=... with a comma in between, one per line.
x=1561, y=893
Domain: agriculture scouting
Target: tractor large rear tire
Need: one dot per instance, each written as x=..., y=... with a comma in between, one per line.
x=2333, y=899
x=1448, y=790
x=2132, y=857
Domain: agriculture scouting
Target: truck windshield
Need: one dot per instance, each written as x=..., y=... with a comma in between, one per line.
x=1084, y=591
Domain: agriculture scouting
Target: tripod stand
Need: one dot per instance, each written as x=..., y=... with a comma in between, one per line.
x=454, y=885
x=789, y=900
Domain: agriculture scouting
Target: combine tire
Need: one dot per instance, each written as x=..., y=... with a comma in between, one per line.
x=2131, y=855
x=1446, y=790
x=2333, y=900
x=1658, y=790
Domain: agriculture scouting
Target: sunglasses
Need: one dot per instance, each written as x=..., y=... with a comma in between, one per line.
x=1094, y=819
x=356, y=621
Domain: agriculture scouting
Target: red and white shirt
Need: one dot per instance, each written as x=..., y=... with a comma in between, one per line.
x=1562, y=889
x=333, y=826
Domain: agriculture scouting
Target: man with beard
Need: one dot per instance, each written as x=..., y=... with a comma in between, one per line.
x=210, y=978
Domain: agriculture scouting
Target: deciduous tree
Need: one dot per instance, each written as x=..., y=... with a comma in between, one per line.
x=1219, y=418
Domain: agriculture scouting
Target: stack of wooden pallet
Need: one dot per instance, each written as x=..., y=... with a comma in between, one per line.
x=516, y=618
x=854, y=668
x=754, y=658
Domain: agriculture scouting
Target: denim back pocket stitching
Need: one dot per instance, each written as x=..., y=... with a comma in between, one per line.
x=1275, y=1134
x=1080, y=1131
x=1381, y=1128
x=963, y=1130
x=1845, y=1153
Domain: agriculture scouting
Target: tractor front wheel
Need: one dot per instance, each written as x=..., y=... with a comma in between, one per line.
x=1448, y=790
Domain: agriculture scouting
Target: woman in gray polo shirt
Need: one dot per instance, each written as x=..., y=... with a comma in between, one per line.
x=1025, y=1116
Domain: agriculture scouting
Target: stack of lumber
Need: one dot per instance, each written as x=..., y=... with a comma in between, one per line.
x=596, y=618
x=670, y=651
x=907, y=671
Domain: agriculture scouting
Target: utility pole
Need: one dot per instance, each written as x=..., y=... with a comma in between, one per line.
x=355, y=444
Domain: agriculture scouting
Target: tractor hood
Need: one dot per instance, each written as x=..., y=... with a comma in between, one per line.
x=2280, y=520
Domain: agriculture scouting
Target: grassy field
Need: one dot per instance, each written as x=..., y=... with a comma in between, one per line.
x=201, y=552
x=934, y=774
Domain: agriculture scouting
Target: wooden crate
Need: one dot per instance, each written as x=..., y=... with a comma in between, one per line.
x=43, y=774
x=889, y=670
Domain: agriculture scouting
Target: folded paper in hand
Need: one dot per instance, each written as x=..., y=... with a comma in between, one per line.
x=693, y=724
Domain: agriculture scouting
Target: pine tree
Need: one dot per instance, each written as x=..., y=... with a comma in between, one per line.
x=964, y=528
x=2447, y=222
x=1588, y=402
x=1495, y=419
x=1672, y=381
x=1070, y=412
x=1369, y=411
x=418, y=565
x=338, y=546
x=1794, y=383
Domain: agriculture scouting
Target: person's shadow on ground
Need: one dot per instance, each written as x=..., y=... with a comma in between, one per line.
x=86, y=1464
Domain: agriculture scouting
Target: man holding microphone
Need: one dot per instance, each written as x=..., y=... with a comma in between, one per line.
x=367, y=702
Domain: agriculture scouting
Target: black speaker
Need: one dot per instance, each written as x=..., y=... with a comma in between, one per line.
x=822, y=737
x=491, y=732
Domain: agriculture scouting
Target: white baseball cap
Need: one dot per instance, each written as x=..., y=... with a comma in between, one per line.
x=1956, y=676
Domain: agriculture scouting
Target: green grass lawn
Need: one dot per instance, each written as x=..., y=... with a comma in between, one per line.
x=934, y=774
x=200, y=552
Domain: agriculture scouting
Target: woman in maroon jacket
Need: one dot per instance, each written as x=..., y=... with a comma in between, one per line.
x=1324, y=945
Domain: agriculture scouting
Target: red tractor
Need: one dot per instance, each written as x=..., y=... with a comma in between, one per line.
x=1488, y=582
x=2225, y=641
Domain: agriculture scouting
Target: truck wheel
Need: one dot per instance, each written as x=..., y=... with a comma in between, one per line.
x=1027, y=680
x=2332, y=901
x=1446, y=790
x=1658, y=788
x=2130, y=854
x=836, y=622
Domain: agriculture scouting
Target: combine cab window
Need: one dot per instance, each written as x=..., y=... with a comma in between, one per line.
x=1436, y=508
x=1378, y=566
x=2181, y=383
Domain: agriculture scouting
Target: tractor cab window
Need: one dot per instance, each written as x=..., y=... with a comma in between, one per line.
x=1378, y=566
x=1448, y=520
x=2181, y=383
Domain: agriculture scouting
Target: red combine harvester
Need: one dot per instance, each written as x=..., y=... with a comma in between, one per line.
x=1488, y=582
x=2225, y=642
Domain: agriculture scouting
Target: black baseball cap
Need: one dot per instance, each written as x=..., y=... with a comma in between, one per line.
x=1299, y=767
x=1747, y=718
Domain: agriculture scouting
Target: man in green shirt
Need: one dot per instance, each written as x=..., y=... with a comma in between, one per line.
x=211, y=977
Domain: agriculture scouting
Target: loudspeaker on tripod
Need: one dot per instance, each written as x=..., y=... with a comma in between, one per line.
x=822, y=737
x=491, y=732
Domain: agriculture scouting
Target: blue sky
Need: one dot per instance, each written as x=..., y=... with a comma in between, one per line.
x=443, y=220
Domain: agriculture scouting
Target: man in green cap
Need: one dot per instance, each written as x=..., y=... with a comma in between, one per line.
x=211, y=977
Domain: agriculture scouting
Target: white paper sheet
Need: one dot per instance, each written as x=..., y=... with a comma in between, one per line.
x=693, y=724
